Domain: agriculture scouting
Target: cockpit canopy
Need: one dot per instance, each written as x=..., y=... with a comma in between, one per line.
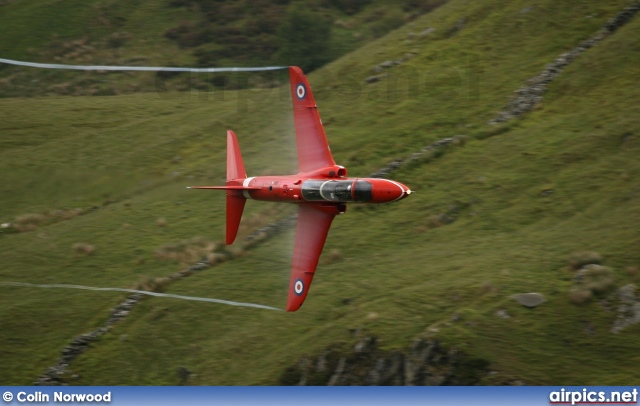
x=337, y=190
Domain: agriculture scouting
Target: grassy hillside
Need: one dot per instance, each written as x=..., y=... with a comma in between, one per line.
x=182, y=33
x=525, y=196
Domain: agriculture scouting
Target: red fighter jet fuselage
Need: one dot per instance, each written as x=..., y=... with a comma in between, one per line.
x=321, y=189
x=323, y=186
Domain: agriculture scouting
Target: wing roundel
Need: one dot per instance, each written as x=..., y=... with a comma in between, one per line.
x=313, y=148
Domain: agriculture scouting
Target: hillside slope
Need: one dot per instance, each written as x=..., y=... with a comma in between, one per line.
x=496, y=216
x=200, y=33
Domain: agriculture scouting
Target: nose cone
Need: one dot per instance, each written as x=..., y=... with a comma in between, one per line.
x=385, y=190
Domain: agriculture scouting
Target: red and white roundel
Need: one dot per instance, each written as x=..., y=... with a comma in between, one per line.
x=298, y=287
x=301, y=91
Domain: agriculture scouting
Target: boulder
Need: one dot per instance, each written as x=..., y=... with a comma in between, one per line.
x=530, y=300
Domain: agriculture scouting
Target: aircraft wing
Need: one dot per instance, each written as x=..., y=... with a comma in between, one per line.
x=311, y=234
x=313, y=148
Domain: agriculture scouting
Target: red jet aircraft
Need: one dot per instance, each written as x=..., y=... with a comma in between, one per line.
x=321, y=189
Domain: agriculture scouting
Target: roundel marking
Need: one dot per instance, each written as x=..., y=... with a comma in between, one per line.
x=298, y=287
x=301, y=91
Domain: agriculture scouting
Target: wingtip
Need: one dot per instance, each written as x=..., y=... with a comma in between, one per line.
x=292, y=308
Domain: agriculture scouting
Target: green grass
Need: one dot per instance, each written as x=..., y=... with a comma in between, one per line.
x=119, y=32
x=404, y=279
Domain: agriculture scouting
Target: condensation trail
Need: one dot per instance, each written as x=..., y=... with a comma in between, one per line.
x=142, y=292
x=138, y=68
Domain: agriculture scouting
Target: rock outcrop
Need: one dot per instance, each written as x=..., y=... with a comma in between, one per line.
x=424, y=363
x=628, y=309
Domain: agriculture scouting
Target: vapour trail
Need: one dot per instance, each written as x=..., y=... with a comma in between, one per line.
x=138, y=68
x=151, y=69
x=142, y=292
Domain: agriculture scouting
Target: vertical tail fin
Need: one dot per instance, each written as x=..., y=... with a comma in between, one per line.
x=235, y=175
x=234, y=187
x=235, y=166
